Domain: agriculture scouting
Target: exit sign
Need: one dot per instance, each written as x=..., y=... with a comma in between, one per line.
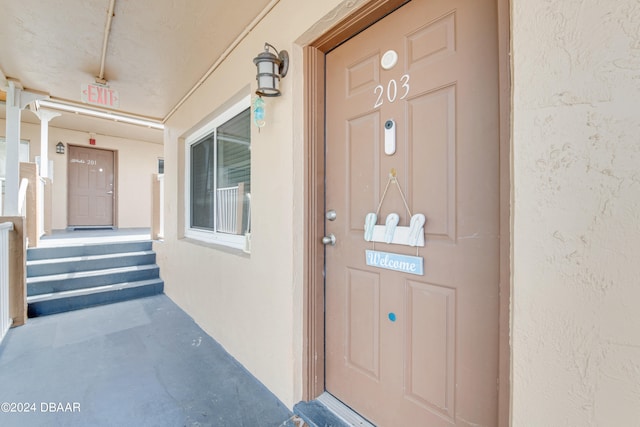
x=100, y=95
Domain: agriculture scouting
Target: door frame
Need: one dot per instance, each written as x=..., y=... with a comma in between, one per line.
x=114, y=206
x=314, y=138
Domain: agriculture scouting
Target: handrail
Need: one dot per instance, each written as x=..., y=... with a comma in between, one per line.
x=161, y=191
x=5, y=317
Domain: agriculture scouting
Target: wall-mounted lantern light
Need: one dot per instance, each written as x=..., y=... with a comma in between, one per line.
x=271, y=68
x=60, y=148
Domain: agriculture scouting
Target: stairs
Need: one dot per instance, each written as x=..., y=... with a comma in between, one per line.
x=73, y=277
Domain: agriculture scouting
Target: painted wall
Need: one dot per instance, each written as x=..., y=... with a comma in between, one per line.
x=576, y=234
x=251, y=304
x=137, y=161
x=576, y=198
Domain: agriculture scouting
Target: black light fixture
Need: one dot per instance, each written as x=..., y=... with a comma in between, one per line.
x=271, y=68
x=60, y=148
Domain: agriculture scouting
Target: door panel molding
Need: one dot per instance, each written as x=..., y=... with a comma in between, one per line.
x=314, y=117
x=85, y=202
x=313, y=294
x=314, y=104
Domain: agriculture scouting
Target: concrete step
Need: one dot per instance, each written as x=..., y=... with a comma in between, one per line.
x=34, y=254
x=51, y=266
x=90, y=279
x=73, y=277
x=59, y=302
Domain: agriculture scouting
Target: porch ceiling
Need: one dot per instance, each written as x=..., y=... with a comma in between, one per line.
x=157, y=51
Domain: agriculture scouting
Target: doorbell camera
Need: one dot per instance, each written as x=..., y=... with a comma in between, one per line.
x=389, y=137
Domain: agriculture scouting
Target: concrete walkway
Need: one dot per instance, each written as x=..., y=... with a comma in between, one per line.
x=137, y=363
x=86, y=237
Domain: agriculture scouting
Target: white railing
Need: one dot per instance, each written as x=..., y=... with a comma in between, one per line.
x=5, y=317
x=1, y=195
x=161, y=182
x=40, y=206
x=227, y=209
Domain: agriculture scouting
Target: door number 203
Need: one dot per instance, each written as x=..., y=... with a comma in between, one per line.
x=392, y=91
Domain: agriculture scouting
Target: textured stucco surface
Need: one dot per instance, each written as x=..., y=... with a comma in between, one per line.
x=576, y=235
x=252, y=305
x=156, y=51
x=136, y=162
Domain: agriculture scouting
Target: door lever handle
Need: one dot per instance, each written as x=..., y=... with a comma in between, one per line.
x=110, y=192
x=329, y=240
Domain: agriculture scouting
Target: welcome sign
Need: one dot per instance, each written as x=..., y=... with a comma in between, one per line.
x=396, y=262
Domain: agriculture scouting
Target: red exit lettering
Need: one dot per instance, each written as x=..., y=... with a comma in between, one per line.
x=100, y=95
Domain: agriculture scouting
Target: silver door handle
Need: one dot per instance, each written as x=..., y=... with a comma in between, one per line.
x=329, y=240
x=109, y=192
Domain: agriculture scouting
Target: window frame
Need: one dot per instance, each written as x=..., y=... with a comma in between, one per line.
x=236, y=241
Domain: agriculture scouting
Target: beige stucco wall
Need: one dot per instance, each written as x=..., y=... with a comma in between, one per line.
x=576, y=234
x=251, y=304
x=137, y=161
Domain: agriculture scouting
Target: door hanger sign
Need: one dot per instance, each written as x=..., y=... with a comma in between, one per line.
x=396, y=262
x=392, y=233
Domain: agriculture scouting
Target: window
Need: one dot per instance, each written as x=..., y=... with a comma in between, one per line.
x=218, y=184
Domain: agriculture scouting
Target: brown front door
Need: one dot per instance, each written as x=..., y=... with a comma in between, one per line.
x=403, y=348
x=91, y=189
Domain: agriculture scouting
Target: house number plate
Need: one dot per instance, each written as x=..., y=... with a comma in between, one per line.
x=391, y=92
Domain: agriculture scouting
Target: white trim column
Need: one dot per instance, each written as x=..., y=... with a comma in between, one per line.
x=12, y=178
x=17, y=100
x=45, y=117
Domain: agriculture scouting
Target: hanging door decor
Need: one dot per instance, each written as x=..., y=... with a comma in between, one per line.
x=396, y=262
x=392, y=233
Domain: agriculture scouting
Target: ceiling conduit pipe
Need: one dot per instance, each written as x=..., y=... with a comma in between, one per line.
x=253, y=24
x=107, y=29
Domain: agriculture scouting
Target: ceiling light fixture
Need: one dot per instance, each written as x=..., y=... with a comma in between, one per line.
x=55, y=105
